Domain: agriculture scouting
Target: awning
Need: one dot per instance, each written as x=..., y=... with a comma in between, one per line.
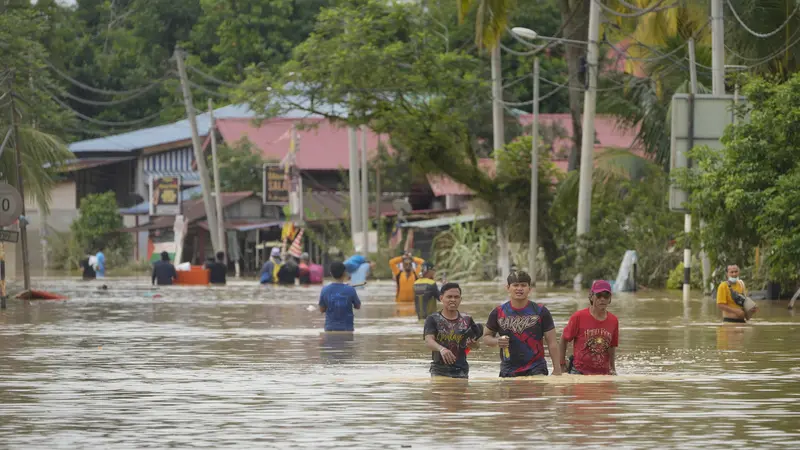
x=443, y=221
x=244, y=225
x=89, y=163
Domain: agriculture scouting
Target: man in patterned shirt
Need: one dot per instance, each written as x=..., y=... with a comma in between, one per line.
x=522, y=326
x=449, y=334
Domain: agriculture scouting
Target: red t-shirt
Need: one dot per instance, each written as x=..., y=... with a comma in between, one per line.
x=593, y=339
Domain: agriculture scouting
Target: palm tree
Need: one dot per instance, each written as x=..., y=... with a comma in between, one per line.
x=491, y=21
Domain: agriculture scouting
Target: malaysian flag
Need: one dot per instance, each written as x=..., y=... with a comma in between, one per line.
x=297, y=246
x=396, y=238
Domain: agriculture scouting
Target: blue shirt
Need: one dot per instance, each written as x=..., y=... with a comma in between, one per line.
x=339, y=300
x=101, y=264
x=352, y=263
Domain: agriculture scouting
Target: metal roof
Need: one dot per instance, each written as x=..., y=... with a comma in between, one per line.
x=443, y=221
x=180, y=130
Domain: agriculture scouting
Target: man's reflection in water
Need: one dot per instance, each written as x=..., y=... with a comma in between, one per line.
x=731, y=336
x=450, y=394
x=520, y=397
x=591, y=408
x=336, y=346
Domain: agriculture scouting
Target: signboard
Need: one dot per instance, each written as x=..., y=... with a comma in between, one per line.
x=165, y=196
x=275, y=186
x=9, y=236
x=712, y=114
x=10, y=204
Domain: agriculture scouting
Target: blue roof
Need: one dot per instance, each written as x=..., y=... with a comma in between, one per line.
x=173, y=132
x=144, y=207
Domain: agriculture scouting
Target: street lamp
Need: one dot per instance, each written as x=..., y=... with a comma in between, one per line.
x=587, y=141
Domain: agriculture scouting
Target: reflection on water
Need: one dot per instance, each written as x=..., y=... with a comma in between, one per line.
x=249, y=366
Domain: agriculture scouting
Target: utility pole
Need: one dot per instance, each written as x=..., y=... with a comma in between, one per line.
x=364, y=190
x=533, y=247
x=687, y=218
x=378, y=188
x=212, y=134
x=23, y=223
x=498, y=129
x=205, y=182
x=355, y=204
x=587, y=142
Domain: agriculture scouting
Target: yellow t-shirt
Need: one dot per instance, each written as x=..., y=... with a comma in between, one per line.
x=724, y=293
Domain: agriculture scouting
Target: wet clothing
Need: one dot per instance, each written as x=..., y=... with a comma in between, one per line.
x=426, y=297
x=724, y=293
x=453, y=335
x=88, y=270
x=339, y=300
x=353, y=263
x=287, y=273
x=525, y=328
x=163, y=273
x=592, y=341
x=304, y=273
x=101, y=265
x=405, y=280
x=218, y=272
x=315, y=274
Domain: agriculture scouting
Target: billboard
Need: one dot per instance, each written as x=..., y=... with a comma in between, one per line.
x=165, y=196
x=275, y=185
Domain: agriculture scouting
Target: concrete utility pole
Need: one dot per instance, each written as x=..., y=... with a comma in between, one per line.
x=587, y=143
x=355, y=204
x=498, y=129
x=687, y=219
x=217, y=189
x=364, y=190
x=533, y=249
x=205, y=182
x=23, y=225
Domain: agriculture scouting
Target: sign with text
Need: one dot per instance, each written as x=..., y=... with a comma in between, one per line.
x=275, y=186
x=9, y=236
x=10, y=204
x=165, y=196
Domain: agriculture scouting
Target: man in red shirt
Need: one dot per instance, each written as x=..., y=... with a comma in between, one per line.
x=595, y=335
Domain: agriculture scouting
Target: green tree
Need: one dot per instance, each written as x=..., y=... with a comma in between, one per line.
x=240, y=167
x=21, y=29
x=99, y=226
x=748, y=192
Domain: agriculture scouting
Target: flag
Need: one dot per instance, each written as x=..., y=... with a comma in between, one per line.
x=297, y=246
x=409, y=240
x=288, y=231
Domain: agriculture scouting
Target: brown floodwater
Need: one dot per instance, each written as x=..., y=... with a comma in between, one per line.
x=248, y=367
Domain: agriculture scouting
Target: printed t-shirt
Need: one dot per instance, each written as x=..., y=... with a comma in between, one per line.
x=339, y=300
x=451, y=334
x=525, y=328
x=593, y=341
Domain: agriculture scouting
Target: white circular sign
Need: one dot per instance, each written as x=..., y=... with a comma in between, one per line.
x=10, y=204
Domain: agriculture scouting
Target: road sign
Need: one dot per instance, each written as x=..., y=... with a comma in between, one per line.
x=10, y=204
x=9, y=236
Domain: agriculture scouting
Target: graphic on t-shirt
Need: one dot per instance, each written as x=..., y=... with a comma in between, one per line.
x=451, y=334
x=518, y=324
x=525, y=328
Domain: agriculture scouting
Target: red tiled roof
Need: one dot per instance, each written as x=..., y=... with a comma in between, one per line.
x=322, y=147
x=608, y=131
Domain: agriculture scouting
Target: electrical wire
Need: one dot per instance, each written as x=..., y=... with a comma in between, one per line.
x=652, y=9
x=517, y=81
x=207, y=90
x=104, y=122
x=106, y=103
x=103, y=91
x=211, y=78
x=755, y=33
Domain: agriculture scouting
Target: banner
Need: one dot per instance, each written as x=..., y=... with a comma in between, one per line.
x=275, y=188
x=165, y=196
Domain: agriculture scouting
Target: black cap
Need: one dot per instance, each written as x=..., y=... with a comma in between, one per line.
x=426, y=266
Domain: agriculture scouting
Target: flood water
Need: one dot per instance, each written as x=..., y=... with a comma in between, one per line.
x=248, y=367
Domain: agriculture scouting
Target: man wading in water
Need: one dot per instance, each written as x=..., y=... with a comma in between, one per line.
x=449, y=334
x=595, y=333
x=733, y=310
x=522, y=326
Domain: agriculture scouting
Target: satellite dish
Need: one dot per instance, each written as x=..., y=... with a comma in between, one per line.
x=402, y=207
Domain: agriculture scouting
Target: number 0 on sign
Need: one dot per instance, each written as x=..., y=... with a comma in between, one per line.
x=10, y=204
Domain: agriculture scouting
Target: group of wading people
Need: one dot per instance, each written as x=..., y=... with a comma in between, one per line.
x=519, y=327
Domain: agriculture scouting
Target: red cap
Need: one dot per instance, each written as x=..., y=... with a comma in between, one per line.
x=600, y=286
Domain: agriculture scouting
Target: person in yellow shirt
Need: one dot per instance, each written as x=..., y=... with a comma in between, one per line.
x=405, y=270
x=731, y=310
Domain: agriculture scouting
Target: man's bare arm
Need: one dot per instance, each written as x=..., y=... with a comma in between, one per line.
x=612, y=357
x=489, y=337
x=552, y=346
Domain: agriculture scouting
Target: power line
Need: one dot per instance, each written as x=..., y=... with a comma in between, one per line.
x=755, y=33
x=655, y=8
x=207, y=90
x=210, y=77
x=103, y=122
x=67, y=94
x=103, y=91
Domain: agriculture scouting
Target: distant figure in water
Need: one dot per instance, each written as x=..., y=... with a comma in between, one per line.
x=88, y=270
x=163, y=271
x=358, y=268
x=594, y=333
x=100, y=269
x=337, y=301
x=218, y=270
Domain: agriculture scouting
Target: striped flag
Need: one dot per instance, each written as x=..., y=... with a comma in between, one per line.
x=396, y=238
x=297, y=246
x=409, y=240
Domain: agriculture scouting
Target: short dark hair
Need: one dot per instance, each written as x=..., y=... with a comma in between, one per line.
x=518, y=276
x=164, y=256
x=447, y=286
x=220, y=256
x=337, y=269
